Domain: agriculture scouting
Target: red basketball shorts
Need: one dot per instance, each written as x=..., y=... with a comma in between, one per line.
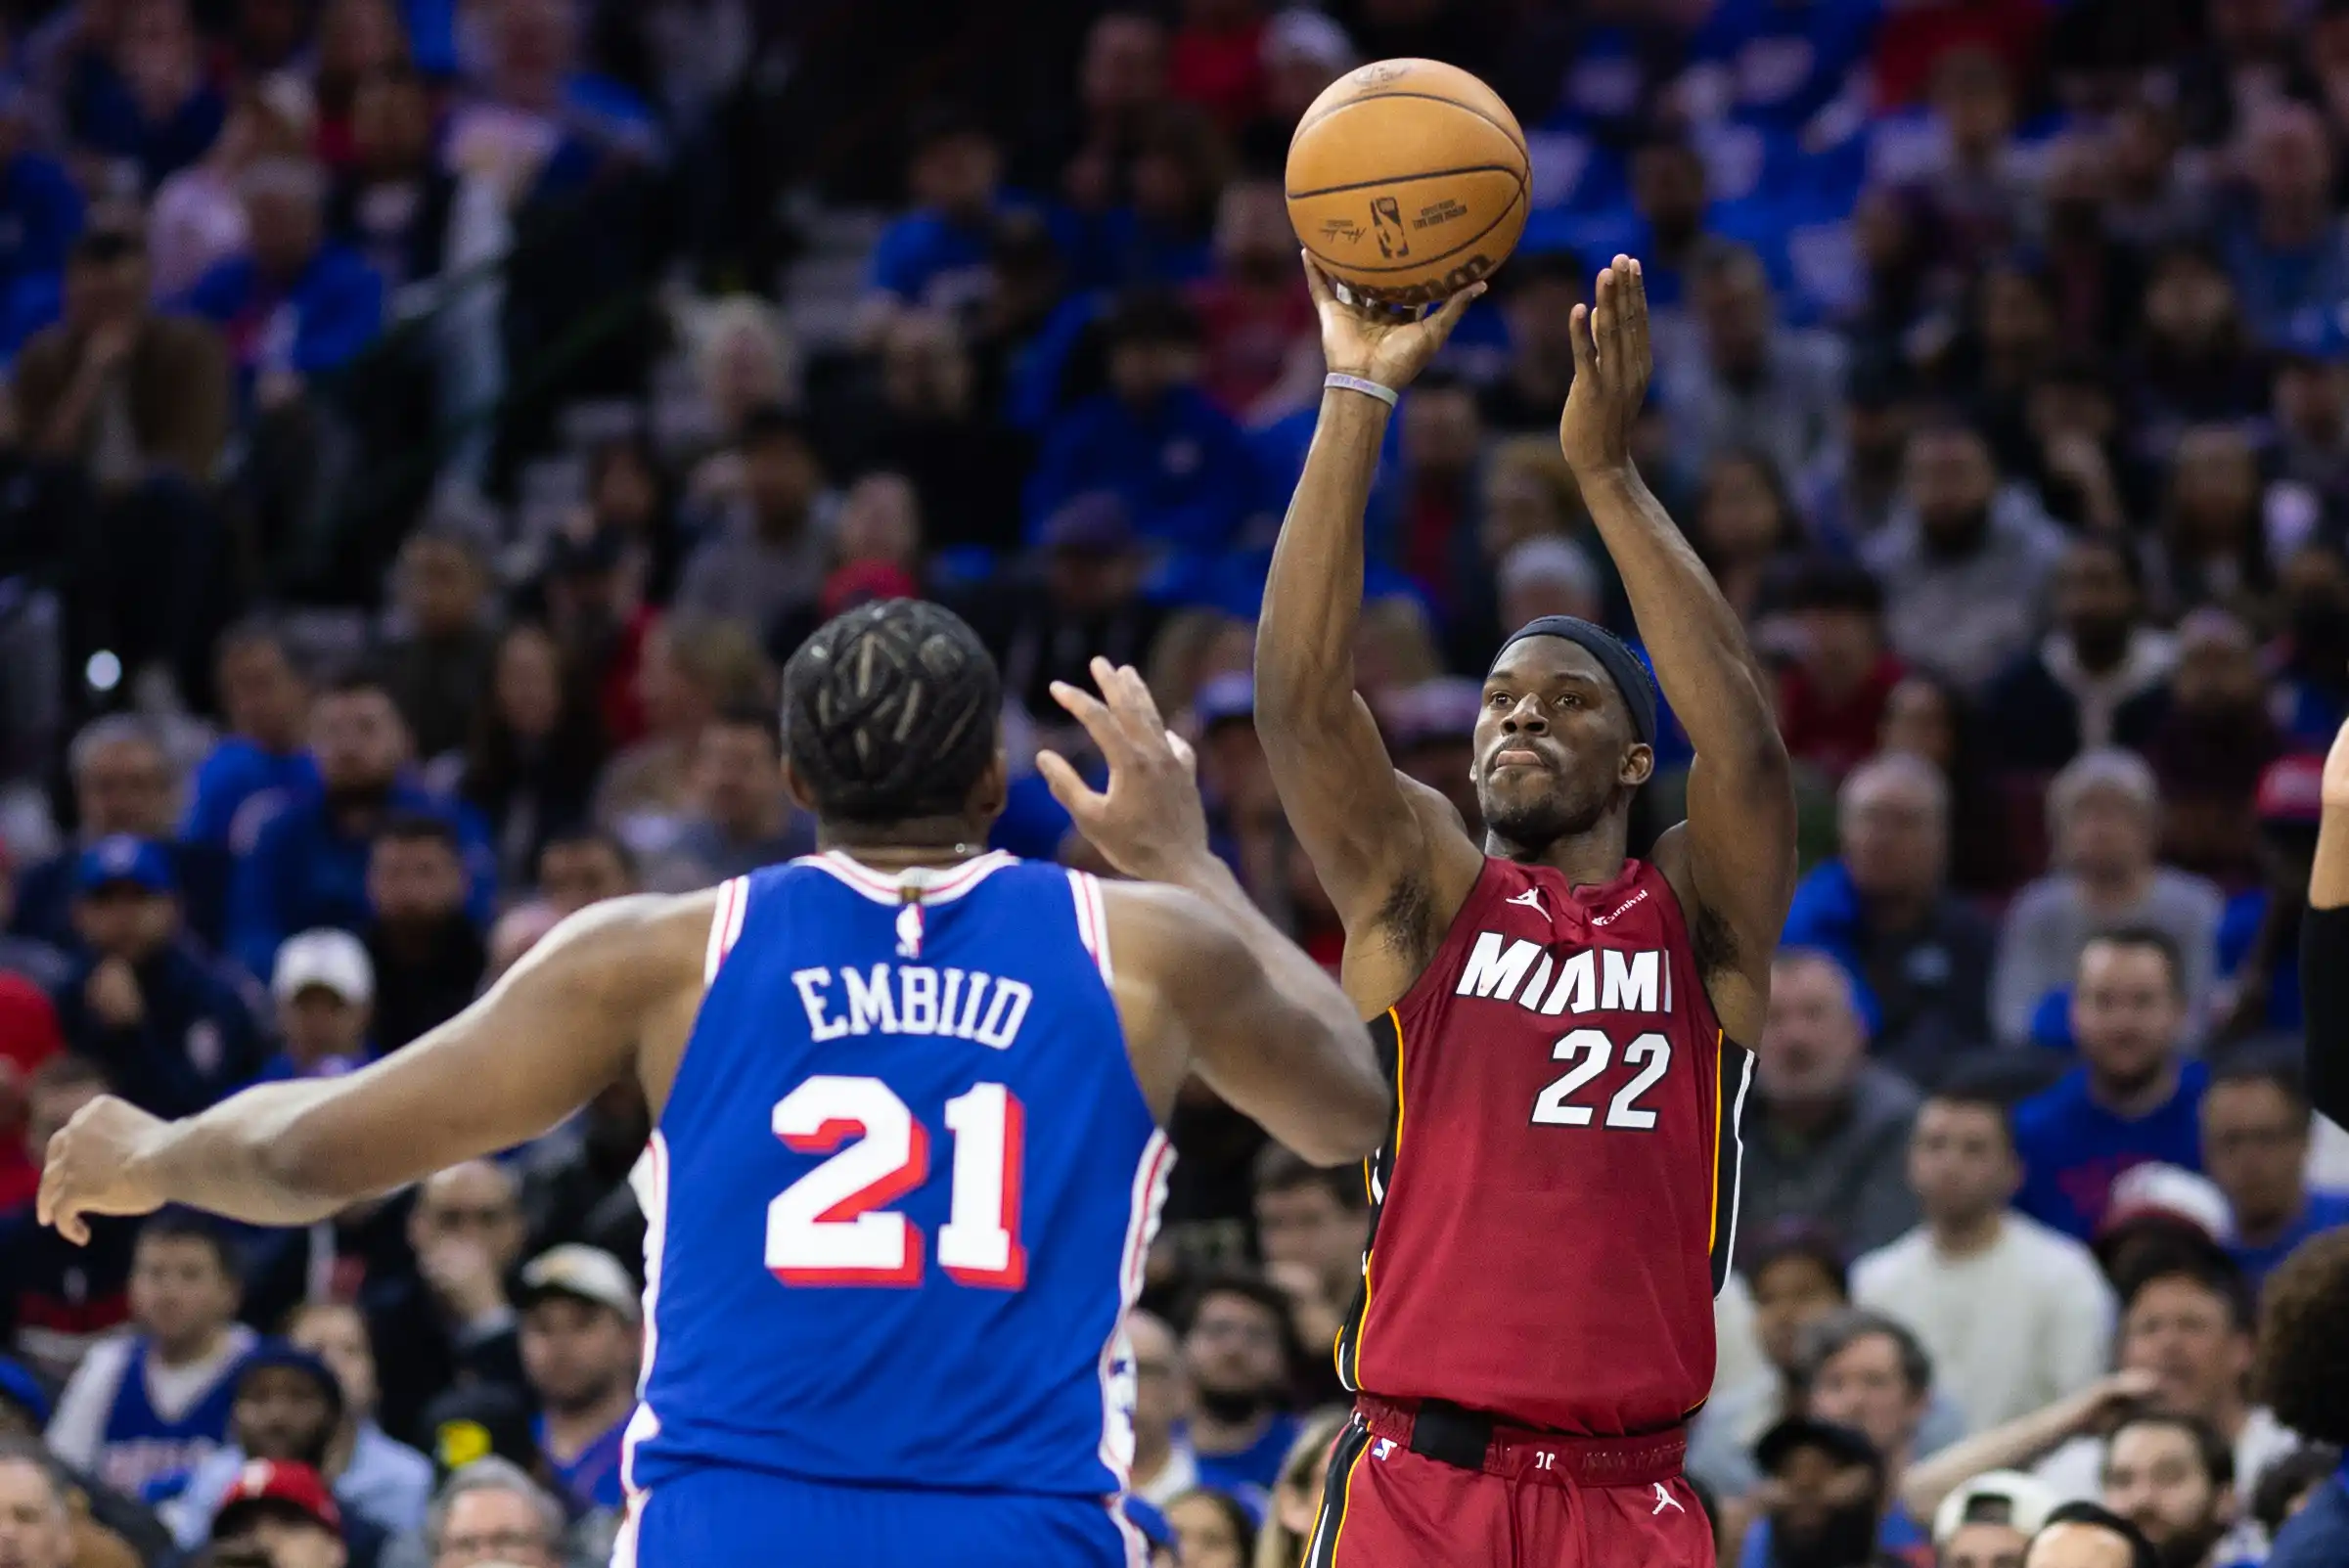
x=1530, y=1499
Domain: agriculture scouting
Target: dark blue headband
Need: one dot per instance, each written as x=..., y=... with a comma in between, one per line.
x=1621, y=665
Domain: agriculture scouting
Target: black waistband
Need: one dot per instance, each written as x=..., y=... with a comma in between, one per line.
x=1452, y=1433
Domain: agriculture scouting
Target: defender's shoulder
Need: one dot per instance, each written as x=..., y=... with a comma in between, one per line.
x=1160, y=914
x=642, y=936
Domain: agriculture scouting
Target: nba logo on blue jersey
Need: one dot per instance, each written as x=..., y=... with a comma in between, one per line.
x=900, y=1198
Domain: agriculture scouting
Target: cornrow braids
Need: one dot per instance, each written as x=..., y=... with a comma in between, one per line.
x=890, y=712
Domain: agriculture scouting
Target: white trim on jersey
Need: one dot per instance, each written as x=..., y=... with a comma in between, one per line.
x=1137, y=1547
x=1093, y=922
x=1147, y=1199
x=884, y=888
x=1737, y=1133
x=645, y=1424
x=624, y=1542
x=725, y=925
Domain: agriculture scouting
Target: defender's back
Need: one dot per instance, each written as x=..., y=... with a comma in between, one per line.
x=903, y=1189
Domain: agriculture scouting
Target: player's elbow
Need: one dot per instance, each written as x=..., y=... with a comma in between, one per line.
x=1352, y=1122
x=1763, y=758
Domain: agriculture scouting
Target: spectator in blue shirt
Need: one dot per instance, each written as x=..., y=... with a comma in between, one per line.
x=1186, y=473
x=2305, y=1378
x=145, y=100
x=2130, y=1101
x=143, y=1001
x=2288, y=249
x=40, y=207
x=938, y=253
x=1240, y=1347
x=1664, y=225
x=308, y=867
x=2255, y=1127
x=263, y=762
x=294, y=306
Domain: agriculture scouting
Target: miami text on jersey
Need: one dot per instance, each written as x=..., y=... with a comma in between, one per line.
x=1594, y=980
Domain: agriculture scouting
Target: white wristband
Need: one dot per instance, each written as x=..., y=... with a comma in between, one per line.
x=1363, y=384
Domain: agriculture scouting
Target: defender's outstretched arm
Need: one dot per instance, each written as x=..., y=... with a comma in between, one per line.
x=1219, y=988
x=558, y=1027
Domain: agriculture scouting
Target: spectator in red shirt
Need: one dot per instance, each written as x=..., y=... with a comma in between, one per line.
x=1216, y=59
x=1916, y=37
x=1833, y=693
x=29, y=1037
x=1263, y=357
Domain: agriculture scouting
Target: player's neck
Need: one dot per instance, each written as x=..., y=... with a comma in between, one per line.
x=1586, y=859
x=934, y=842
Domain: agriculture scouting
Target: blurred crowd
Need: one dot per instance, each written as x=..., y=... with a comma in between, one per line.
x=429, y=423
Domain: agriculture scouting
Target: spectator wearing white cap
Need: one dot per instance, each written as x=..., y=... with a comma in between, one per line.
x=324, y=988
x=1990, y=1520
x=583, y=1336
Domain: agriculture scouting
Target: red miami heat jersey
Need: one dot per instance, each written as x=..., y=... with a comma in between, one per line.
x=1552, y=1209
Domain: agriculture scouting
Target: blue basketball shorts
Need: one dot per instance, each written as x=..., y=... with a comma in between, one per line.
x=712, y=1518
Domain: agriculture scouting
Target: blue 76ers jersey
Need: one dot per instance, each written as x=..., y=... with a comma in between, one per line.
x=902, y=1190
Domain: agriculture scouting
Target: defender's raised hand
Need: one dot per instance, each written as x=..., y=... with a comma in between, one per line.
x=1149, y=819
x=1382, y=343
x=1612, y=362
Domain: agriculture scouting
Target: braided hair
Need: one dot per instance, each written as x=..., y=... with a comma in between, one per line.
x=890, y=712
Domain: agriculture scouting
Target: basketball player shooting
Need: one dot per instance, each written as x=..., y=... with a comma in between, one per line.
x=856, y=1351
x=1556, y=1196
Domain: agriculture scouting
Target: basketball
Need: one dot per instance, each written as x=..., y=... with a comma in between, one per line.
x=1407, y=181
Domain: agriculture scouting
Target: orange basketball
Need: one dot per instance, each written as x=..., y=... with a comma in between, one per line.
x=1407, y=181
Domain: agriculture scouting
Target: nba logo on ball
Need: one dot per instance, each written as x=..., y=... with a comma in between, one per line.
x=1419, y=148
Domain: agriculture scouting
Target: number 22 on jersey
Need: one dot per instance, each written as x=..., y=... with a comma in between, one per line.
x=832, y=1228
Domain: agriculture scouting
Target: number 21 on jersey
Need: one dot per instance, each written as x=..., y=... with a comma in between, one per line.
x=832, y=1226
